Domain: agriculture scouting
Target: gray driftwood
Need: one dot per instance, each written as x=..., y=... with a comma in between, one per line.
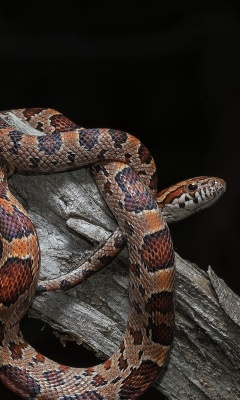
x=71, y=218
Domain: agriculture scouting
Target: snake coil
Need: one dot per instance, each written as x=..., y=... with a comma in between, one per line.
x=43, y=140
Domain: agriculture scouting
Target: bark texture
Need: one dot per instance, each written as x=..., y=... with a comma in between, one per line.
x=71, y=219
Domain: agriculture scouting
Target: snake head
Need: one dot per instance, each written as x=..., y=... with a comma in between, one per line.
x=190, y=196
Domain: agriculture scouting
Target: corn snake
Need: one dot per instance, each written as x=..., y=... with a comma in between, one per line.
x=149, y=332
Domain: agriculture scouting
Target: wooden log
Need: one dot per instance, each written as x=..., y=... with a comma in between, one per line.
x=71, y=218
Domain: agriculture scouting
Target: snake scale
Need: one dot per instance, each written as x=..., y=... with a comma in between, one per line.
x=43, y=140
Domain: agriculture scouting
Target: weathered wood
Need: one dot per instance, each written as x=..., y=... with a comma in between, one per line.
x=71, y=217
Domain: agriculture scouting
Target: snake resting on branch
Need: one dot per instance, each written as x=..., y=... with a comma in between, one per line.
x=43, y=140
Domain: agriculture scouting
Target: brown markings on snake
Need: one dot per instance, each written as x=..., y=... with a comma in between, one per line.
x=49, y=144
x=4, y=169
x=160, y=333
x=107, y=188
x=4, y=191
x=105, y=259
x=128, y=157
x=118, y=138
x=129, y=228
x=125, y=177
x=98, y=380
x=61, y=123
x=157, y=253
x=31, y=112
x=101, y=154
x=101, y=168
x=40, y=126
x=144, y=154
x=20, y=224
x=146, y=158
x=137, y=307
x=71, y=158
x=107, y=185
x=135, y=268
x=17, y=349
x=122, y=361
x=65, y=284
x=88, y=138
x=3, y=124
x=39, y=358
x=85, y=273
x=144, y=200
x=54, y=378
x=142, y=290
x=161, y=301
x=119, y=241
x=139, y=378
x=153, y=181
x=107, y=365
x=171, y=195
x=34, y=161
x=64, y=368
x=21, y=378
x=88, y=371
x=15, y=279
x=136, y=334
x=16, y=138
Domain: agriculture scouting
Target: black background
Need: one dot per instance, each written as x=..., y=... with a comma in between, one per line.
x=166, y=72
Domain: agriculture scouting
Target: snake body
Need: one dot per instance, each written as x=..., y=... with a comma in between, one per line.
x=43, y=140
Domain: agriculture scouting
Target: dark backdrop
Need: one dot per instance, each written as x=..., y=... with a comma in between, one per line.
x=168, y=75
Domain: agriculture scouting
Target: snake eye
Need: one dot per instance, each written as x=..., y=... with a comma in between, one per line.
x=192, y=186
